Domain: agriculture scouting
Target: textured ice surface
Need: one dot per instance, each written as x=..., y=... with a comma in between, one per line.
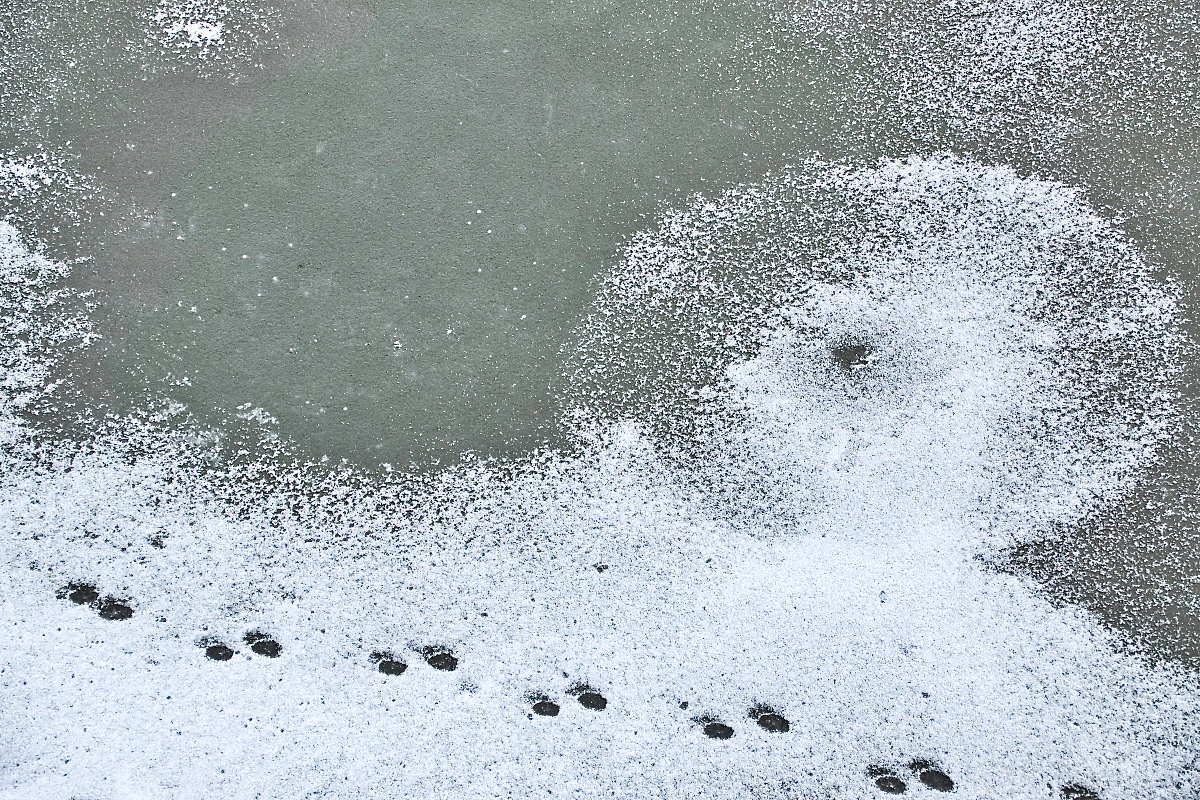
x=812, y=412
x=958, y=73
x=60, y=58
x=1104, y=95
x=818, y=406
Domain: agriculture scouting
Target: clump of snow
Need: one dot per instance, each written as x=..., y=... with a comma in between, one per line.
x=24, y=177
x=856, y=606
x=192, y=24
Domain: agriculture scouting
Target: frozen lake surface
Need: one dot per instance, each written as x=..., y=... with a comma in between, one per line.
x=790, y=400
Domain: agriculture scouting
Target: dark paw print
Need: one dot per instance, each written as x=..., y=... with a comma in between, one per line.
x=589, y=698
x=886, y=780
x=543, y=706
x=217, y=651
x=113, y=609
x=387, y=663
x=263, y=644
x=441, y=658
x=714, y=728
x=769, y=719
x=85, y=594
x=928, y=773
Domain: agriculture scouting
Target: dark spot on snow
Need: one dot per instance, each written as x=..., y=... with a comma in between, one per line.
x=440, y=658
x=80, y=593
x=588, y=697
x=114, y=609
x=546, y=708
x=930, y=775
x=769, y=719
x=886, y=779
x=851, y=356
x=593, y=701
x=774, y=723
x=387, y=663
x=218, y=652
x=718, y=730
x=390, y=666
x=936, y=779
x=263, y=644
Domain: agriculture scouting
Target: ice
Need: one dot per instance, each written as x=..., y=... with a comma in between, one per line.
x=810, y=414
x=210, y=34
x=876, y=378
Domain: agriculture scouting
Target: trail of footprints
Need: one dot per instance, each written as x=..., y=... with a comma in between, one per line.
x=889, y=780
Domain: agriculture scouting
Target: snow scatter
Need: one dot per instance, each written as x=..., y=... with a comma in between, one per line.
x=206, y=33
x=37, y=326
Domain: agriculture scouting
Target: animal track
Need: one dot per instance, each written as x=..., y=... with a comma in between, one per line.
x=440, y=658
x=114, y=609
x=714, y=729
x=387, y=663
x=263, y=644
x=80, y=593
x=543, y=706
x=928, y=774
x=109, y=608
x=886, y=779
x=769, y=719
x=588, y=697
x=218, y=652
